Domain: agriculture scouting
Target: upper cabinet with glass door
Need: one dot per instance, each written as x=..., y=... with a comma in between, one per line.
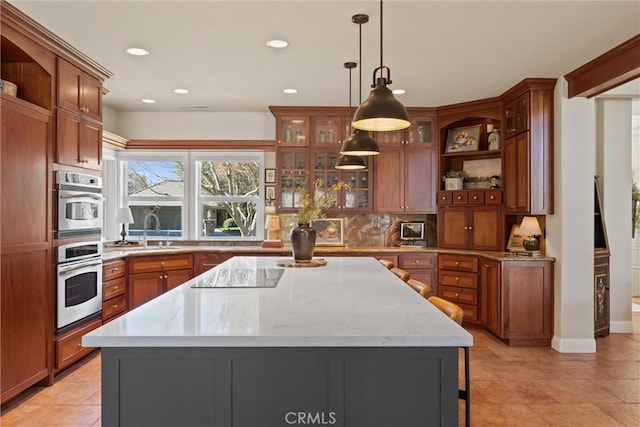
x=328, y=131
x=421, y=131
x=516, y=115
x=292, y=131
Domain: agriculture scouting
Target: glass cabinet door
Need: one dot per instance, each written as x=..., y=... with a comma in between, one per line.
x=421, y=131
x=394, y=137
x=293, y=131
x=326, y=131
x=292, y=166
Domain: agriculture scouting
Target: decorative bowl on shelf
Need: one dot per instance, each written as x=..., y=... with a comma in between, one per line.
x=8, y=88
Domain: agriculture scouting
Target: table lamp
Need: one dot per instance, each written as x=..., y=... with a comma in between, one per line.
x=125, y=217
x=272, y=227
x=530, y=229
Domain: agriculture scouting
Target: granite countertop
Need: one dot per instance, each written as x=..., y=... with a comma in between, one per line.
x=114, y=251
x=350, y=302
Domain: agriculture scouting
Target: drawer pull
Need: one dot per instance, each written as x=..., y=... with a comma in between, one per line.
x=208, y=265
x=459, y=198
x=160, y=277
x=457, y=263
x=162, y=263
x=115, y=306
x=457, y=294
x=165, y=276
x=492, y=197
x=115, y=287
x=457, y=279
x=417, y=261
x=487, y=265
x=79, y=345
x=444, y=197
x=470, y=228
x=475, y=197
x=114, y=270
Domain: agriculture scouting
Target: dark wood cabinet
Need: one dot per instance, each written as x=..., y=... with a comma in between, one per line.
x=528, y=147
x=79, y=141
x=470, y=219
x=204, y=261
x=490, y=287
x=458, y=282
x=78, y=91
x=151, y=276
x=114, y=289
x=404, y=179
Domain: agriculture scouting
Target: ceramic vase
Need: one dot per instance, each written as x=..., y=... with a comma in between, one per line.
x=303, y=242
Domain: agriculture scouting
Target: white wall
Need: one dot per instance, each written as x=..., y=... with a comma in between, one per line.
x=196, y=125
x=570, y=230
x=614, y=168
x=109, y=120
x=635, y=168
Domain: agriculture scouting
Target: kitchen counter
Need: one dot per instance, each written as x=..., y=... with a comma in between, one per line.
x=348, y=342
x=113, y=252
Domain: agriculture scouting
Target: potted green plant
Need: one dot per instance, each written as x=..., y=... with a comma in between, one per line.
x=454, y=180
x=303, y=237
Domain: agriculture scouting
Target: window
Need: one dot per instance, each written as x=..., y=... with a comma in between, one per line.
x=155, y=191
x=229, y=199
x=212, y=196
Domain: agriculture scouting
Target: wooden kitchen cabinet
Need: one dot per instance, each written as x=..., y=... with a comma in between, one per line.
x=79, y=141
x=458, y=282
x=421, y=131
x=490, y=287
x=69, y=347
x=421, y=266
x=528, y=147
x=204, y=261
x=78, y=91
x=151, y=276
x=405, y=179
x=292, y=165
x=470, y=219
x=114, y=289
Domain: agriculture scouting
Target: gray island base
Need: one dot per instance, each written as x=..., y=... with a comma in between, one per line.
x=348, y=344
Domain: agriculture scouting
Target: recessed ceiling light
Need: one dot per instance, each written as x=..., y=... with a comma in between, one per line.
x=137, y=51
x=290, y=90
x=181, y=90
x=277, y=44
x=149, y=101
x=398, y=91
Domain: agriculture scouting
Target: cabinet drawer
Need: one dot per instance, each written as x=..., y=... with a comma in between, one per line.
x=476, y=197
x=69, y=345
x=470, y=312
x=113, y=269
x=114, y=306
x=409, y=261
x=113, y=288
x=160, y=263
x=458, y=262
x=458, y=279
x=460, y=197
x=445, y=197
x=206, y=261
x=459, y=295
x=493, y=197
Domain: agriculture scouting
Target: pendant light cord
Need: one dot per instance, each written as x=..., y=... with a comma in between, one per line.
x=381, y=34
x=360, y=65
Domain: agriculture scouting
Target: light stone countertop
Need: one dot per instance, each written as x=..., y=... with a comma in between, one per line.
x=350, y=302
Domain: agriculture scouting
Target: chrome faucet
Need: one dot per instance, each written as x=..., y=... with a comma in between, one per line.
x=144, y=226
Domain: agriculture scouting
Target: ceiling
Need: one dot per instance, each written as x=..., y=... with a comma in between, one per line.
x=440, y=52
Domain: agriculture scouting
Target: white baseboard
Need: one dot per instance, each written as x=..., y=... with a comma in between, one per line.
x=621, y=327
x=573, y=345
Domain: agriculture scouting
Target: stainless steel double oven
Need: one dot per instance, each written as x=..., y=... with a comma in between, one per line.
x=78, y=264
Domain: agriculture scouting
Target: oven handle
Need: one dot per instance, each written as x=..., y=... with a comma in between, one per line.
x=77, y=196
x=78, y=266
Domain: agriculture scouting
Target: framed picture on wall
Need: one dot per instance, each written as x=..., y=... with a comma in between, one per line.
x=515, y=240
x=269, y=176
x=463, y=139
x=269, y=194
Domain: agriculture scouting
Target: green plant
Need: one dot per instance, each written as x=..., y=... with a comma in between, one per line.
x=635, y=193
x=455, y=174
x=312, y=207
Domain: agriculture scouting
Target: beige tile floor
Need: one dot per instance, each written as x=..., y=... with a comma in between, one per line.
x=509, y=387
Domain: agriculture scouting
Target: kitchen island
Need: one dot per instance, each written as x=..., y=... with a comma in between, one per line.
x=347, y=344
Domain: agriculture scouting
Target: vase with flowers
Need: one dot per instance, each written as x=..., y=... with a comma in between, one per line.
x=303, y=237
x=454, y=180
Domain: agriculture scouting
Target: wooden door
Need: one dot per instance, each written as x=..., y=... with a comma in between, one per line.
x=91, y=97
x=388, y=180
x=452, y=227
x=490, y=295
x=90, y=153
x=420, y=180
x=69, y=84
x=175, y=278
x=517, y=173
x=144, y=287
x=69, y=132
x=484, y=228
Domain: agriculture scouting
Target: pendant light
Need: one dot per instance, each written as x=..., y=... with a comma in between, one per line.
x=360, y=143
x=381, y=111
x=347, y=161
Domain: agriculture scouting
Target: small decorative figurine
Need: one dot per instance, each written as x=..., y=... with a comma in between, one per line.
x=495, y=182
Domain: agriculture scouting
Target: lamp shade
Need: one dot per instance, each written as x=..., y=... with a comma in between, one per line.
x=272, y=222
x=350, y=162
x=360, y=143
x=529, y=227
x=381, y=111
x=124, y=216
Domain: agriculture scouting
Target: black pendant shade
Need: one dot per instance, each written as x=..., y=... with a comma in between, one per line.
x=350, y=162
x=381, y=111
x=360, y=143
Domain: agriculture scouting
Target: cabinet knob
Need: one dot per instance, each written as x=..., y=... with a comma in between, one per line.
x=115, y=306
x=457, y=294
x=162, y=263
x=444, y=197
x=487, y=265
x=459, y=198
x=492, y=197
x=475, y=197
x=165, y=276
x=115, y=287
x=417, y=261
x=470, y=228
x=79, y=345
x=457, y=263
x=160, y=277
x=512, y=207
x=457, y=279
x=279, y=141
